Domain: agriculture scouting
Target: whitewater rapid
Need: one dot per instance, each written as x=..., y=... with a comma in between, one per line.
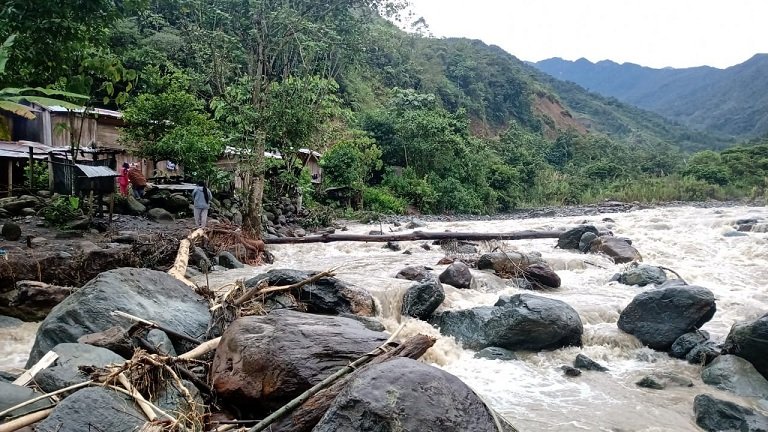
x=532, y=392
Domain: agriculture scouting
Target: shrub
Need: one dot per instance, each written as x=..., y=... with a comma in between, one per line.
x=381, y=200
x=60, y=212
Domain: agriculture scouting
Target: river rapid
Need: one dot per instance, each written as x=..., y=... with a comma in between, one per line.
x=532, y=392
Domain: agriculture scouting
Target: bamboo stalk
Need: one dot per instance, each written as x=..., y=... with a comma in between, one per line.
x=143, y=404
x=150, y=404
x=28, y=375
x=44, y=396
x=325, y=383
x=26, y=420
x=168, y=331
x=201, y=349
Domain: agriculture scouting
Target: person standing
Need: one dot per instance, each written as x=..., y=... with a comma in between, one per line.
x=201, y=198
x=138, y=181
x=122, y=180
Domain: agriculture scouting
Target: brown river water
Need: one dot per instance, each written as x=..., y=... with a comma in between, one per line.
x=532, y=392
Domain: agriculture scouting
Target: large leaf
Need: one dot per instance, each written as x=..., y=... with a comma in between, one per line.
x=51, y=92
x=5, y=52
x=17, y=109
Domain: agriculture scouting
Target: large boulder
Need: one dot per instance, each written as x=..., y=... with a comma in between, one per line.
x=263, y=362
x=14, y=205
x=570, y=239
x=541, y=276
x=406, y=395
x=327, y=295
x=457, y=275
x=716, y=415
x=12, y=395
x=226, y=259
x=414, y=273
x=94, y=409
x=422, y=299
x=520, y=322
x=749, y=340
x=643, y=275
x=507, y=263
x=160, y=215
x=65, y=371
x=732, y=373
x=152, y=295
x=134, y=206
x=11, y=231
x=687, y=342
x=658, y=317
x=617, y=249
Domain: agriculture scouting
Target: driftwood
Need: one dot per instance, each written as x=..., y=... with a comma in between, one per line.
x=201, y=349
x=179, y=269
x=166, y=330
x=417, y=235
x=309, y=413
x=29, y=375
x=26, y=420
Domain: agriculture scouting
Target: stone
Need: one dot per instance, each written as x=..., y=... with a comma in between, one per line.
x=11, y=231
x=749, y=340
x=94, y=409
x=457, y=275
x=642, y=275
x=415, y=223
x=520, y=322
x=458, y=247
x=200, y=259
x=415, y=273
x=734, y=374
x=12, y=395
x=370, y=323
x=177, y=203
x=716, y=415
x=585, y=242
x=735, y=234
x=495, y=353
x=160, y=215
x=81, y=224
x=393, y=246
x=658, y=317
x=34, y=300
x=134, y=206
x=171, y=400
x=421, y=300
x=299, y=232
x=237, y=218
x=14, y=205
x=406, y=395
x=662, y=380
x=703, y=353
x=541, y=276
x=152, y=295
x=37, y=242
x=65, y=371
x=226, y=259
x=115, y=339
x=685, y=343
x=27, y=212
x=586, y=363
x=508, y=263
x=9, y=322
x=619, y=250
x=161, y=342
x=327, y=295
x=263, y=362
x=570, y=371
x=570, y=238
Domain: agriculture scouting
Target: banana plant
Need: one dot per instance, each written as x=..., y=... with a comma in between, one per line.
x=11, y=98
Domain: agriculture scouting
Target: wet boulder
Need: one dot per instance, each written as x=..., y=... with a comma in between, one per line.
x=263, y=362
x=749, y=340
x=685, y=343
x=642, y=275
x=414, y=273
x=716, y=415
x=703, y=353
x=496, y=353
x=520, y=322
x=733, y=373
x=585, y=243
x=327, y=295
x=406, y=395
x=570, y=239
x=662, y=380
x=541, y=276
x=12, y=395
x=586, y=363
x=14, y=205
x=509, y=263
x=226, y=259
x=658, y=317
x=422, y=299
x=152, y=295
x=619, y=250
x=457, y=275
x=94, y=409
x=160, y=215
x=65, y=371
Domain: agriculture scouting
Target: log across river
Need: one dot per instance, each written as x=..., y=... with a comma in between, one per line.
x=418, y=235
x=532, y=392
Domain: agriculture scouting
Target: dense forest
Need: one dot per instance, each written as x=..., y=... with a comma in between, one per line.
x=404, y=121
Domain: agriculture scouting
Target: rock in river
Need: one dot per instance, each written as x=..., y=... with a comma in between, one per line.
x=94, y=409
x=457, y=275
x=406, y=395
x=716, y=415
x=732, y=373
x=422, y=299
x=149, y=294
x=749, y=340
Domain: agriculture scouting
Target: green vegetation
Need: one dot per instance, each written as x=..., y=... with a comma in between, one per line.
x=404, y=122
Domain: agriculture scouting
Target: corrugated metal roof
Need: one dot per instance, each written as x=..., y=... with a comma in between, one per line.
x=96, y=171
x=92, y=111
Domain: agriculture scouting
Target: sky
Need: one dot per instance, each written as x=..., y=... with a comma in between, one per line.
x=654, y=33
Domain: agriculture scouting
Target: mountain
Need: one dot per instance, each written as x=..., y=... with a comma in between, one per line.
x=732, y=101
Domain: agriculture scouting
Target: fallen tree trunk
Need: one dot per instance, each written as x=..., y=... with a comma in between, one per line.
x=308, y=414
x=179, y=268
x=416, y=235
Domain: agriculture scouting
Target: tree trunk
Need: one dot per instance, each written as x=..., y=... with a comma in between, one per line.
x=417, y=235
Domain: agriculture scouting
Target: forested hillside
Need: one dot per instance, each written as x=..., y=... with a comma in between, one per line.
x=732, y=101
x=402, y=120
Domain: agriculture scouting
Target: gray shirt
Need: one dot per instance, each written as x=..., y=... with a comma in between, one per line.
x=199, y=198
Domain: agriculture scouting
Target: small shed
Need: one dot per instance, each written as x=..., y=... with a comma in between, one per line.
x=14, y=159
x=311, y=160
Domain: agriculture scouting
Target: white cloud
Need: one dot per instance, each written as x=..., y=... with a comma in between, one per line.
x=656, y=33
